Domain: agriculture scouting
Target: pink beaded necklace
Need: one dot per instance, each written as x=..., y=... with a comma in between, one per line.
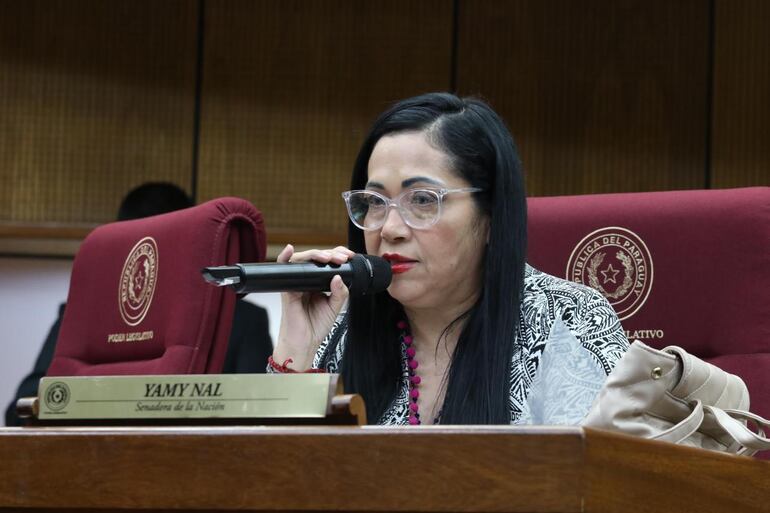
x=414, y=378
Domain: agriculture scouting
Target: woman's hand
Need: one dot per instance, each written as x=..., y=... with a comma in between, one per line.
x=307, y=317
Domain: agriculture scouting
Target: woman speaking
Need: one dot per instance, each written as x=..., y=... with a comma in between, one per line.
x=467, y=332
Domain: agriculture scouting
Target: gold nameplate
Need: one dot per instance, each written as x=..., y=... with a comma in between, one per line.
x=188, y=396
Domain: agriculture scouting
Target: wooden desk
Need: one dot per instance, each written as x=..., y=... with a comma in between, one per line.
x=431, y=468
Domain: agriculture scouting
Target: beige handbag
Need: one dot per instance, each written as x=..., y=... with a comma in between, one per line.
x=673, y=396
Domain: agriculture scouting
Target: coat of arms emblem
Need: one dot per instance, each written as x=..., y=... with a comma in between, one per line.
x=137, y=281
x=616, y=262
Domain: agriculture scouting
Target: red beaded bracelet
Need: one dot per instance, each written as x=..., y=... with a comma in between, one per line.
x=284, y=369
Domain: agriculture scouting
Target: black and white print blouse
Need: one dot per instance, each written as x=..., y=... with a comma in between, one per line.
x=569, y=340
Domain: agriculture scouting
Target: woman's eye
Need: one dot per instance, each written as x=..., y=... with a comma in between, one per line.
x=373, y=201
x=423, y=198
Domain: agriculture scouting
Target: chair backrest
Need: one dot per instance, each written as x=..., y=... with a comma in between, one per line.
x=686, y=268
x=137, y=303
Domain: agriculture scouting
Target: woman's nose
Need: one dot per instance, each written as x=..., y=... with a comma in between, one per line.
x=394, y=227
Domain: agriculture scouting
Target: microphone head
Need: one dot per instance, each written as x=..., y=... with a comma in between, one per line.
x=371, y=274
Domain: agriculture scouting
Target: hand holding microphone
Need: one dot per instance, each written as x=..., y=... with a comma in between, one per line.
x=307, y=315
x=306, y=318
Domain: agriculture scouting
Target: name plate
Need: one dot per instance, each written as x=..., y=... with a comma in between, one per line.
x=188, y=396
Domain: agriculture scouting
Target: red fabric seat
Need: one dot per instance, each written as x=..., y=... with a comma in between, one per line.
x=137, y=303
x=686, y=268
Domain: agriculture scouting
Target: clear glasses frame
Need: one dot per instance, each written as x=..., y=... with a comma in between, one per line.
x=418, y=221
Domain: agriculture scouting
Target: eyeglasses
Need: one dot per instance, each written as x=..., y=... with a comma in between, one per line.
x=419, y=208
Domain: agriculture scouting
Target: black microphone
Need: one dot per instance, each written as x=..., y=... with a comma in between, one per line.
x=363, y=274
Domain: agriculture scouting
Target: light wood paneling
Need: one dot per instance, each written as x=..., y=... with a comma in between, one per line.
x=95, y=98
x=290, y=90
x=741, y=138
x=602, y=96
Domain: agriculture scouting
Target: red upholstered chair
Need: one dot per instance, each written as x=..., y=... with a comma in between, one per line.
x=137, y=303
x=686, y=268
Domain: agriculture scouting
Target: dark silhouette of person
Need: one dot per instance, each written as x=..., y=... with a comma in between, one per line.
x=249, y=345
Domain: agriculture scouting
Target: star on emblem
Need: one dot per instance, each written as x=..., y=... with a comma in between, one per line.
x=139, y=279
x=609, y=274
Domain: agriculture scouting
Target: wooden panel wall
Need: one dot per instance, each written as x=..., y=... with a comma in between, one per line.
x=290, y=90
x=95, y=98
x=602, y=96
x=741, y=133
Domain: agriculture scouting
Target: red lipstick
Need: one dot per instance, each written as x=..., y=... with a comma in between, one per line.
x=399, y=263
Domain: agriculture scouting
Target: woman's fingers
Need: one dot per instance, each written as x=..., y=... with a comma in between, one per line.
x=339, y=294
x=315, y=255
x=344, y=250
x=338, y=255
x=285, y=254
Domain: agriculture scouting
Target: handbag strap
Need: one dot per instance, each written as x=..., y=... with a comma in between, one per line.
x=689, y=425
x=759, y=423
x=730, y=422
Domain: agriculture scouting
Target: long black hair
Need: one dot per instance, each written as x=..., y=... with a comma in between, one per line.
x=482, y=152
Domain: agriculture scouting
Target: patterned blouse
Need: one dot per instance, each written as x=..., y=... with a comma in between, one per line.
x=570, y=340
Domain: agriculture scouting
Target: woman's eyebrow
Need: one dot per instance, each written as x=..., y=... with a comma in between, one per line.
x=420, y=179
x=406, y=183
